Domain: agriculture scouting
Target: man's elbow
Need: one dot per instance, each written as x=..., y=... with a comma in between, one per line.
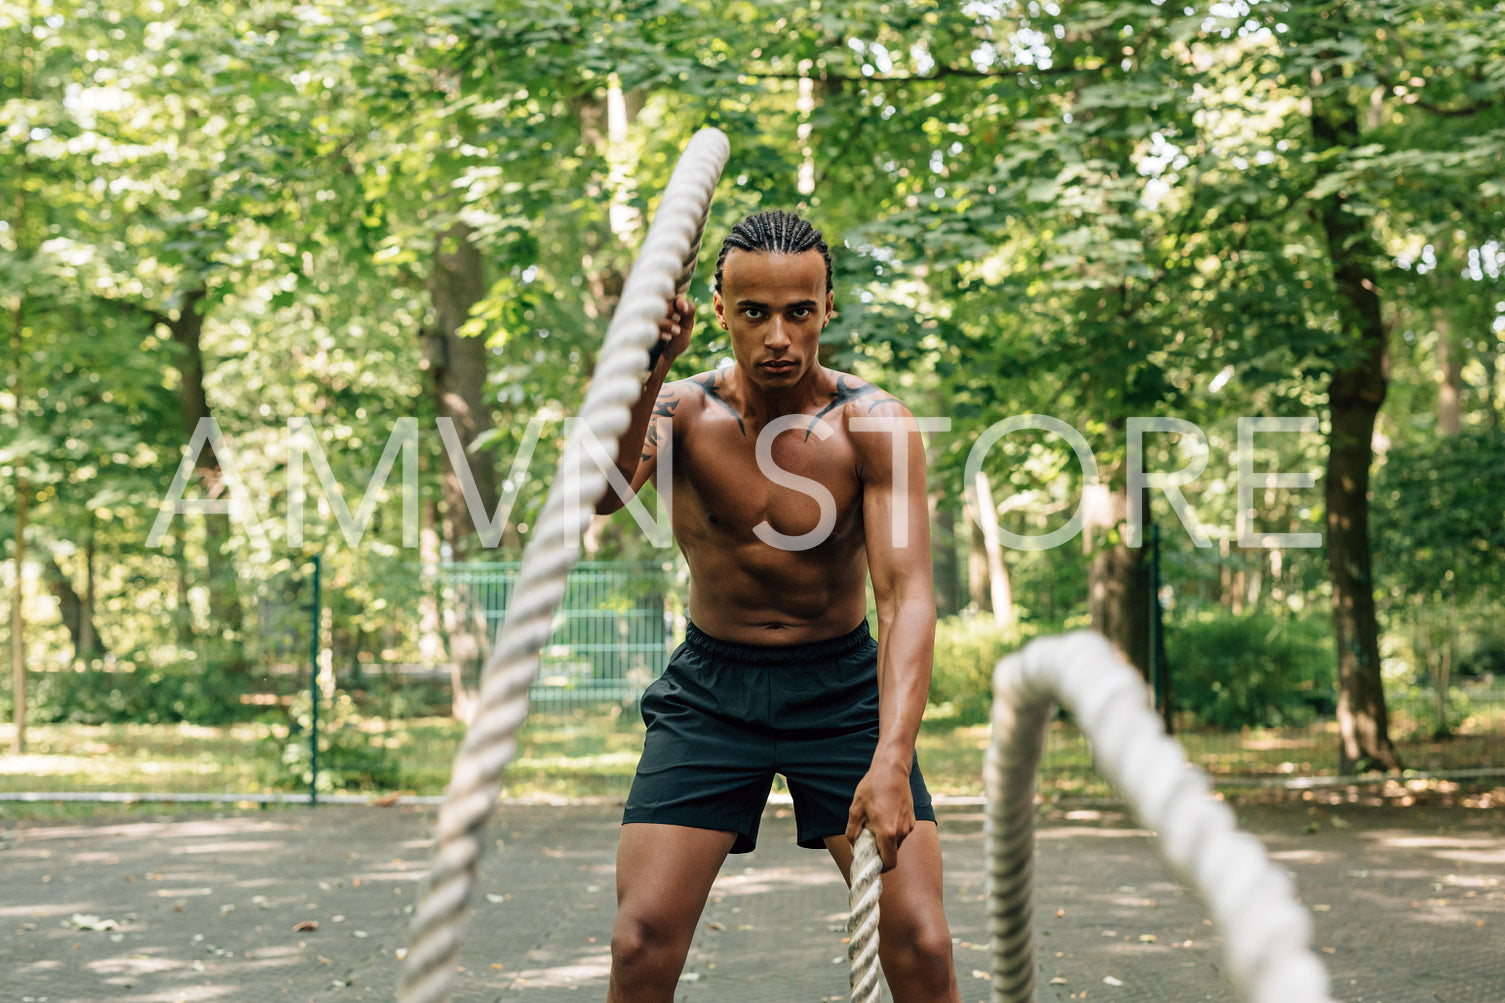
x=612, y=500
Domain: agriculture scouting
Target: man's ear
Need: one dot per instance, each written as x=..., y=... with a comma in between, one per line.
x=719, y=306
x=830, y=306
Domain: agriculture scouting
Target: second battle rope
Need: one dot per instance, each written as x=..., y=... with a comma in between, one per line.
x=1266, y=933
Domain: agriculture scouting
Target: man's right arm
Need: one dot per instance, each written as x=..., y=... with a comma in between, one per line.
x=637, y=450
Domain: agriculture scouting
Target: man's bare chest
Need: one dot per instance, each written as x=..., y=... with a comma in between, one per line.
x=794, y=480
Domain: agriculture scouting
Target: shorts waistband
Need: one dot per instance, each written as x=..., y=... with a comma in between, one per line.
x=760, y=654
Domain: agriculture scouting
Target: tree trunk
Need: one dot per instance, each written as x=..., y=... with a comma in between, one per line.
x=1489, y=359
x=18, y=622
x=998, y=573
x=601, y=263
x=89, y=640
x=183, y=608
x=1362, y=718
x=805, y=107
x=19, y=233
x=430, y=626
x=1118, y=591
x=978, y=591
x=74, y=609
x=69, y=604
x=1442, y=679
x=947, y=568
x=223, y=583
x=1450, y=373
x=1120, y=602
x=1355, y=395
x=458, y=367
x=626, y=221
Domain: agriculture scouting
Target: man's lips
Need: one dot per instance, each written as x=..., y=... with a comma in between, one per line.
x=777, y=366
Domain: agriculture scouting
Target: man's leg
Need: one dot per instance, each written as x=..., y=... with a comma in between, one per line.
x=664, y=873
x=914, y=943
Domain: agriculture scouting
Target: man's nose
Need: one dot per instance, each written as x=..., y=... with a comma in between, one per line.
x=778, y=336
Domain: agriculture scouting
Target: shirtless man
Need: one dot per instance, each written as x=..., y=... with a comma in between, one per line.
x=783, y=503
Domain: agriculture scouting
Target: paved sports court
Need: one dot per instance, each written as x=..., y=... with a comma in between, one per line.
x=304, y=904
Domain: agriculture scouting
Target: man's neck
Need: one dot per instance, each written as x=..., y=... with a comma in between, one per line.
x=760, y=406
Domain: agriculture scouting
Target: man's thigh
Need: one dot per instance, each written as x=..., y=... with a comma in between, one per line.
x=665, y=872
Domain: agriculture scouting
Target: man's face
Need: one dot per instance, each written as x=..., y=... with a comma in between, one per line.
x=775, y=306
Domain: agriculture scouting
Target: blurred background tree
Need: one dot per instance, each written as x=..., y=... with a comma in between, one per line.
x=360, y=212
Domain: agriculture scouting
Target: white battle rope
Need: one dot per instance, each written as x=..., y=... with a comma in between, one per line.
x=1266, y=934
x=862, y=918
x=662, y=270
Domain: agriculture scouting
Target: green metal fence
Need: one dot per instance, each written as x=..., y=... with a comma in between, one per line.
x=384, y=658
x=612, y=633
x=336, y=693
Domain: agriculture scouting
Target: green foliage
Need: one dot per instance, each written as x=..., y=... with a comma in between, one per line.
x=1438, y=529
x=186, y=692
x=396, y=699
x=1089, y=210
x=1255, y=670
x=350, y=759
x=1417, y=715
x=966, y=651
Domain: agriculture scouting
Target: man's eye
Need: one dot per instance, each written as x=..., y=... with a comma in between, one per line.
x=752, y=314
x=801, y=313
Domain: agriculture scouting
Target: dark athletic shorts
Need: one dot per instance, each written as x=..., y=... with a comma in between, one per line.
x=724, y=718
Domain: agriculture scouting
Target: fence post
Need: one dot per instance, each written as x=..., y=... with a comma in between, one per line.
x=1160, y=672
x=313, y=689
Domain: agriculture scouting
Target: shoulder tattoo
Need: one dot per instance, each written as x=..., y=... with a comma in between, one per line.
x=848, y=389
x=707, y=385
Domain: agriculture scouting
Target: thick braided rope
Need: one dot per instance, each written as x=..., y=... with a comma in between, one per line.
x=862, y=918
x=1266, y=934
x=663, y=267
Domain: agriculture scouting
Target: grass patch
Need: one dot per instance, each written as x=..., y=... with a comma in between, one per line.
x=135, y=758
x=574, y=753
x=593, y=753
x=117, y=811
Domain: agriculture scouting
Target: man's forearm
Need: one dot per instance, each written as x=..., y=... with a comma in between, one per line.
x=906, y=647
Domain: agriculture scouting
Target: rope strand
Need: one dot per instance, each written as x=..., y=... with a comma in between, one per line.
x=663, y=268
x=1266, y=934
x=862, y=920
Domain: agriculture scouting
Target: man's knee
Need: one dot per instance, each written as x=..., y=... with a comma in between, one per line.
x=641, y=945
x=930, y=943
x=921, y=949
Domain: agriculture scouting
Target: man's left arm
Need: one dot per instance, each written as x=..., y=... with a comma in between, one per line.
x=896, y=522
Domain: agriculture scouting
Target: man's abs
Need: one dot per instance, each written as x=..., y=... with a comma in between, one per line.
x=773, y=534
x=755, y=594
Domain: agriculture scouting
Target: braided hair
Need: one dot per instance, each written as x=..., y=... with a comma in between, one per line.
x=774, y=231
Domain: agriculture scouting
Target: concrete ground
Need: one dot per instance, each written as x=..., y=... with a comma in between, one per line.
x=311, y=904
